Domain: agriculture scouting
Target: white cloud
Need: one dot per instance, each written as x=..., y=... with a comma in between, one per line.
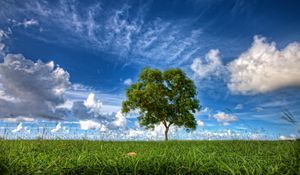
x=276, y=103
x=259, y=109
x=263, y=68
x=92, y=125
x=68, y=104
x=128, y=82
x=110, y=102
x=226, y=134
x=120, y=120
x=205, y=110
x=59, y=128
x=29, y=22
x=291, y=137
x=121, y=30
x=213, y=64
x=158, y=132
x=3, y=35
x=17, y=119
x=92, y=103
x=25, y=23
x=239, y=107
x=31, y=89
x=133, y=114
x=254, y=136
x=224, y=118
x=37, y=89
x=200, y=123
x=20, y=128
x=153, y=134
x=91, y=110
x=133, y=133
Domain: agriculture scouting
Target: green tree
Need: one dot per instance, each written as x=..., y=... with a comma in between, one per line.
x=167, y=97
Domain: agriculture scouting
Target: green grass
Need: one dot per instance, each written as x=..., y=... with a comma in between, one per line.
x=174, y=157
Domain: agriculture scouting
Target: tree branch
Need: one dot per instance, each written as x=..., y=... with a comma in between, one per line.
x=165, y=123
x=169, y=124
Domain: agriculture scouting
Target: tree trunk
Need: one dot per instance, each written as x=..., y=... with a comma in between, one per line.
x=166, y=133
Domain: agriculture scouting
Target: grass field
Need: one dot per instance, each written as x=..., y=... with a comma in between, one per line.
x=174, y=157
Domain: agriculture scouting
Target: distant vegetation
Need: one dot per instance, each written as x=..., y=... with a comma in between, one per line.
x=174, y=157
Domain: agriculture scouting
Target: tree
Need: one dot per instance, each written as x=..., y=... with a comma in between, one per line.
x=167, y=97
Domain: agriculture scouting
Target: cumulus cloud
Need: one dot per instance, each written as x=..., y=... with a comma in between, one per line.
x=59, y=128
x=264, y=68
x=20, y=128
x=212, y=64
x=134, y=133
x=200, y=123
x=128, y=82
x=31, y=89
x=120, y=120
x=224, y=118
x=158, y=132
x=92, y=103
x=78, y=92
x=90, y=110
x=92, y=125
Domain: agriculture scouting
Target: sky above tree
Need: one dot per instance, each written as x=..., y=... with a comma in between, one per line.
x=65, y=65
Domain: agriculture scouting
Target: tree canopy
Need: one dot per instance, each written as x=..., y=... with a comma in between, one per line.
x=167, y=97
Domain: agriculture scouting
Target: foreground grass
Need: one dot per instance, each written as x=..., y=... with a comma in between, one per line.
x=175, y=157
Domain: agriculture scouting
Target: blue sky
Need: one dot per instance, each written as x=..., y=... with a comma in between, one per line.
x=65, y=65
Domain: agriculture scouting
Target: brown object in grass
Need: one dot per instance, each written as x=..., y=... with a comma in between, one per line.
x=131, y=154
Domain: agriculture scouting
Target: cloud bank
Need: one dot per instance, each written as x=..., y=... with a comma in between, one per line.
x=264, y=68
x=31, y=89
x=90, y=114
